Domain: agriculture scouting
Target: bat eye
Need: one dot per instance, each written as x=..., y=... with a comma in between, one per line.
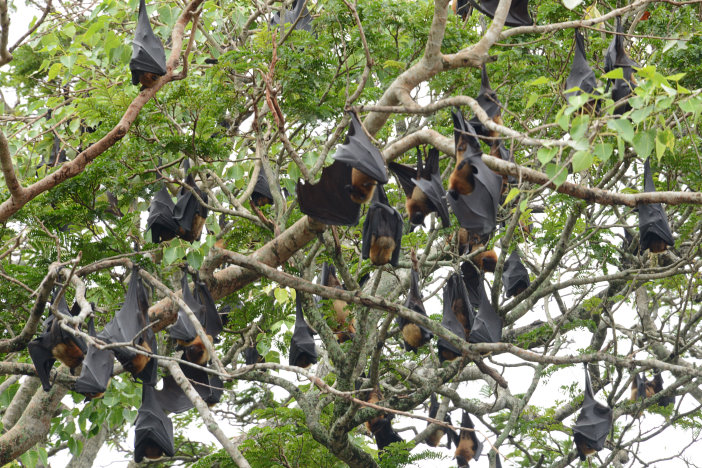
x=474, y=169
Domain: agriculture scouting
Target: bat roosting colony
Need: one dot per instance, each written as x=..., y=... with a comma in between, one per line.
x=356, y=177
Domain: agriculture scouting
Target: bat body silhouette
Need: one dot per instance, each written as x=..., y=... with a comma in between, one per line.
x=466, y=145
x=153, y=429
x=487, y=325
x=518, y=14
x=298, y=10
x=382, y=231
x=515, y=277
x=344, y=329
x=446, y=350
x=328, y=201
x=434, y=438
x=487, y=98
x=654, y=231
x=381, y=425
x=462, y=8
x=130, y=324
x=581, y=75
x=367, y=164
x=414, y=335
x=617, y=57
x=643, y=388
x=55, y=343
x=183, y=330
x=148, y=61
x=302, y=350
x=469, y=446
x=97, y=369
x=593, y=424
x=423, y=188
x=261, y=195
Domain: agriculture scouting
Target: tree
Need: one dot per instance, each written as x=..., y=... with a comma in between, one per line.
x=241, y=98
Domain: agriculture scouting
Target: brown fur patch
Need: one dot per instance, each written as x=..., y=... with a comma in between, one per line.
x=412, y=334
x=362, y=187
x=381, y=249
x=461, y=181
x=68, y=353
x=657, y=246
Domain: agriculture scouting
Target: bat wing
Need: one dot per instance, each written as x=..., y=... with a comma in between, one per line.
x=172, y=398
x=213, y=322
x=581, y=75
x=327, y=200
x=466, y=421
x=594, y=421
x=653, y=222
x=382, y=220
x=147, y=51
x=262, y=189
x=386, y=435
x=152, y=426
x=359, y=152
x=302, y=342
x=252, y=356
x=405, y=176
x=616, y=56
x=97, y=368
x=473, y=281
x=183, y=329
x=160, y=221
x=451, y=323
x=477, y=212
x=518, y=14
x=40, y=352
x=487, y=326
x=487, y=98
x=434, y=190
x=187, y=207
x=414, y=302
x=299, y=9
x=515, y=276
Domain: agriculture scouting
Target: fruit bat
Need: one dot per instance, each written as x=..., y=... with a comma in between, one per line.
x=515, y=277
x=184, y=331
x=593, y=424
x=57, y=156
x=153, y=429
x=426, y=193
x=654, y=231
x=616, y=57
x=298, y=10
x=434, y=438
x=261, y=195
x=487, y=325
x=382, y=231
x=466, y=145
x=344, y=329
x=213, y=321
x=518, y=14
x=447, y=351
x=486, y=261
x=327, y=201
x=55, y=343
x=468, y=447
x=456, y=295
x=477, y=211
x=381, y=425
x=252, y=356
x=581, y=75
x=172, y=398
x=302, y=349
x=462, y=8
x=642, y=388
x=131, y=324
x=473, y=280
x=414, y=335
x=97, y=369
x=367, y=164
x=188, y=212
x=148, y=57
x=487, y=98
x=160, y=221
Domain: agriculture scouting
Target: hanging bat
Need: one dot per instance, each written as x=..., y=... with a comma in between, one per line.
x=183, y=330
x=654, y=231
x=148, y=61
x=515, y=277
x=426, y=193
x=643, y=388
x=344, y=329
x=367, y=164
x=487, y=325
x=212, y=324
x=55, y=343
x=486, y=261
x=593, y=424
x=487, y=98
x=160, y=221
x=261, y=195
x=461, y=8
x=381, y=425
x=434, y=438
x=617, y=57
x=456, y=296
x=97, y=369
x=468, y=447
x=414, y=336
x=131, y=324
x=447, y=351
x=518, y=14
x=302, y=350
x=473, y=280
x=188, y=212
x=153, y=429
x=325, y=201
x=581, y=75
x=462, y=179
x=382, y=231
x=298, y=10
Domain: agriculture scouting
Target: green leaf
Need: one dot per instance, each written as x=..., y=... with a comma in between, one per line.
x=281, y=295
x=582, y=160
x=664, y=140
x=557, y=174
x=545, y=155
x=539, y=81
x=533, y=97
x=616, y=74
x=603, y=151
x=623, y=128
x=513, y=192
x=644, y=143
x=579, y=126
x=54, y=70
x=75, y=446
x=195, y=258
x=563, y=121
x=638, y=115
